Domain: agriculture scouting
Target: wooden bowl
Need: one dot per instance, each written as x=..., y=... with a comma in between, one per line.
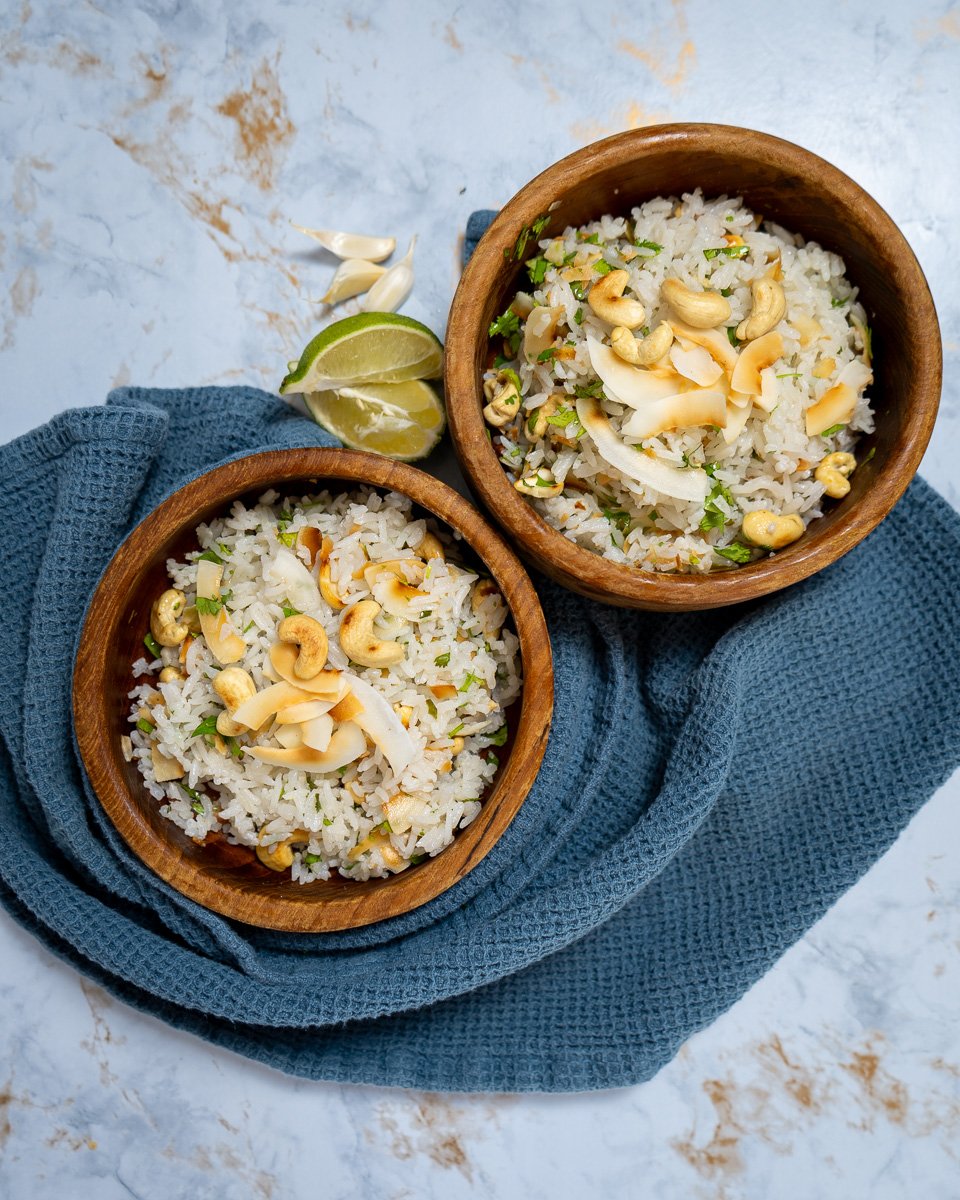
x=804, y=194
x=227, y=878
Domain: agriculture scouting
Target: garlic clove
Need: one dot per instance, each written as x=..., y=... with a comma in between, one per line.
x=353, y=276
x=393, y=287
x=351, y=245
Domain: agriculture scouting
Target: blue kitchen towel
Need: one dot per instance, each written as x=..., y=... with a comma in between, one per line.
x=713, y=782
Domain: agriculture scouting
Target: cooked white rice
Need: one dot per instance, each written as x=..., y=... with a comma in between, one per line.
x=454, y=640
x=770, y=465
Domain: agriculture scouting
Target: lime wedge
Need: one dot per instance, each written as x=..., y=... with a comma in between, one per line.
x=367, y=348
x=402, y=420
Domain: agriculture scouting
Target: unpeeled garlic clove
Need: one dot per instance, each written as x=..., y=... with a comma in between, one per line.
x=353, y=276
x=351, y=245
x=393, y=287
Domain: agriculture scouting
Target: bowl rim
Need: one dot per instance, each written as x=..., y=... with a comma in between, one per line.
x=582, y=569
x=289, y=906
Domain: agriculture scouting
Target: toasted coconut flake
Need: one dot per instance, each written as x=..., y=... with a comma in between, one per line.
x=402, y=811
x=716, y=344
x=378, y=719
x=643, y=468
x=289, y=736
x=306, y=711
x=264, y=704
x=836, y=406
x=164, y=767
x=737, y=418
x=288, y=571
x=682, y=411
x=753, y=358
x=697, y=364
x=349, y=707
x=325, y=685
x=225, y=644
x=634, y=386
x=346, y=745
x=317, y=732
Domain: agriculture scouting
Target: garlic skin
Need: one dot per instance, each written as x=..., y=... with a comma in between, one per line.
x=393, y=287
x=353, y=276
x=351, y=245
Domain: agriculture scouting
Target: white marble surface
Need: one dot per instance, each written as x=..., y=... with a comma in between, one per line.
x=150, y=155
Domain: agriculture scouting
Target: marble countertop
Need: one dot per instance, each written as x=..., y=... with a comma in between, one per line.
x=151, y=154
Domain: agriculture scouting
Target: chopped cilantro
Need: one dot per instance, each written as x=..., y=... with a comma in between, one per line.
x=249, y=625
x=547, y=355
x=500, y=360
x=152, y=645
x=208, y=605
x=492, y=758
x=870, y=453
x=579, y=293
x=507, y=325
x=310, y=859
x=210, y=556
x=562, y=417
x=442, y=660
x=578, y=316
x=726, y=291
x=456, y=729
x=618, y=518
x=593, y=239
x=431, y=708
x=710, y=468
x=233, y=746
x=289, y=610
x=416, y=859
x=537, y=268
x=594, y=390
x=645, y=245
x=602, y=267
x=145, y=726
x=653, y=515
x=832, y=430
x=224, y=549
x=198, y=808
x=791, y=375
x=499, y=738
x=326, y=820
x=206, y=728
x=735, y=552
x=288, y=537
x=533, y=230
x=732, y=335
x=727, y=251
x=713, y=516
x=838, y=301
x=469, y=680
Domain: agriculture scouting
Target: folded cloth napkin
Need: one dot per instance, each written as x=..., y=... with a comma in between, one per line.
x=713, y=782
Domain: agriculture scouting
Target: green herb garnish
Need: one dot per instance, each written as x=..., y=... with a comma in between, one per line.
x=645, y=245
x=499, y=738
x=790, y=375
x=507, y=325
x=602, y=267
x=562, y=417
x=152, y=645
x=208, y=605
x=732, y=335
x=832, y=430
x=593, y=239
x=289, y=611
x=145, y=726
x=578, y=317
x=839, y=301
x=713, y=516
x=310, y=859
x=431, y=708
x=537, y=268
x=618, y=518
x=210, y=556
x=735, y=552
x=469, y=680
x=727, y=251
x=206, y=728
x=288, y=537
x=578, y=290
x=592, y=390
x=547, y=355
x=442, y=660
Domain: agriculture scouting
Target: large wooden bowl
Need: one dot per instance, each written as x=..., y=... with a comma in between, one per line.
x=798, y=190
x=229, y=879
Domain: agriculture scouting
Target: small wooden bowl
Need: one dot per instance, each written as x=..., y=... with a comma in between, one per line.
x=227, y=878
x=804, y=194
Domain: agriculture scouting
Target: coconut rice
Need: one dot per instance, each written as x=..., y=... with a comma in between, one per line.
x=429, y=725
x=589, y=437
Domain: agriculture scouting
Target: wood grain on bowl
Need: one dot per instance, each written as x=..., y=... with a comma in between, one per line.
x=784, y=183
x=228, y=878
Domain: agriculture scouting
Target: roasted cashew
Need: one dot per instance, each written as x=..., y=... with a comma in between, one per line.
x=769, y=306
x=536, y=424
x=538, y=486
x=607, y=300
x=234, y=686
x=279, y=857
x=483, y=589
x=169, y=674
x=834, y=471
x=701, y=310
x=504, y=397
x=311, y=637
x=163, y=618
x=431, y=547
x=641, y=351
x=360, y=643
x=766, y=529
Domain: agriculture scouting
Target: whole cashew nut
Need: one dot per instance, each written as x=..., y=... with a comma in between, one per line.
x=764, y=528
x=642, y=351
x=701, y=310
x=538, y=486
x=834, y=472
x=536, y=424
x=769, y=306
x=360, y=643
x=311, y=637
x=431, y=547
x=163, y=618
x=505, y=399
x=607, y=300
x=234, y=686
x=327, y=590
x=279, y=857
